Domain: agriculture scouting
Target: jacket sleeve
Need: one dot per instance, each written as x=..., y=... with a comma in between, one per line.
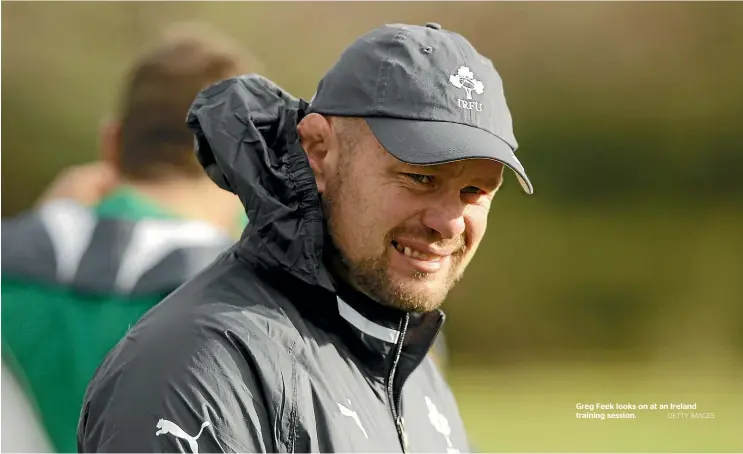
x=175, y=398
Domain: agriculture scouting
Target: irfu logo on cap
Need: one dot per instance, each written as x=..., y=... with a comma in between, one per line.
x=464, y=78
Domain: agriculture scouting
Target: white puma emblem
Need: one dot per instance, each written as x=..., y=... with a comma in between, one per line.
x=441, y=424
x=352, y=414
x=167, y=427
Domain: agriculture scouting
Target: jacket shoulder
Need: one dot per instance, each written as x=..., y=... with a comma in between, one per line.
x=226, y=304
x=211, y=365
x=230, y=298
x=219, y=349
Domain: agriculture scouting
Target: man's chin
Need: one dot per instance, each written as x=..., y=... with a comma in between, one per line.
x=417, y=295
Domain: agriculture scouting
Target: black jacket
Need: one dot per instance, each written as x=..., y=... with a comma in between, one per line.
x=262, y=352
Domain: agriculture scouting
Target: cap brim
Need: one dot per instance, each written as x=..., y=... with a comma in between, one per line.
x=437, y=142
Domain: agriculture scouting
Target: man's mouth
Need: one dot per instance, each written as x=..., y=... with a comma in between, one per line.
x=416, y=254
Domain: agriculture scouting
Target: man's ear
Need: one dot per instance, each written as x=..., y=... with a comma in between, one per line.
x=319, y=142
x=110, y=143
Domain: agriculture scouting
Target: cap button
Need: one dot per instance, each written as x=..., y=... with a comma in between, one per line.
x=434, y=25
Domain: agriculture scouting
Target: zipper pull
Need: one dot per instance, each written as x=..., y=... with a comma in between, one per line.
x=401, y=423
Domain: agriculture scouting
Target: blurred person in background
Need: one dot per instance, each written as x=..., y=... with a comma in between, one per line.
x=22, y=430
x=366, y=205
x=109, y=239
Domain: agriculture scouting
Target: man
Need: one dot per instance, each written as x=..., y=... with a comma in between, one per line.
x=109, y=240
x=366, y=206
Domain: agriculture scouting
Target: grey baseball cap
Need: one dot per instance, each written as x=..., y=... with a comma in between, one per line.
x=427, y=95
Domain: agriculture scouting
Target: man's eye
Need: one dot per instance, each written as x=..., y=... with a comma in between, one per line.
x=423, y=179
x=471, y=190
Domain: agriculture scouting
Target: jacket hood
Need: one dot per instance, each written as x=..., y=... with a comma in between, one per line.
x=247, y=141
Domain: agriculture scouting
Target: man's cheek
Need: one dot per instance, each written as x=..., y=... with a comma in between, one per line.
x=476, y=223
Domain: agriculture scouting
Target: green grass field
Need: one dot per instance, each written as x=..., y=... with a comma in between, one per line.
x=533, y=409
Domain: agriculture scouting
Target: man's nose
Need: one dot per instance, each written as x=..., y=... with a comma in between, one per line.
x=446, y=217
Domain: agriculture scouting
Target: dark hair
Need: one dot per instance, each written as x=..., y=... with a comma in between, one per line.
x=155, y=141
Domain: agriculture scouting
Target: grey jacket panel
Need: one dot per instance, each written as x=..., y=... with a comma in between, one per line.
x=29, y=250
x=64, y=243
x=266, y=346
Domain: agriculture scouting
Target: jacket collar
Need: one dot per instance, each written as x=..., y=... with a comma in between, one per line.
x=376, y=336
x=373, y=332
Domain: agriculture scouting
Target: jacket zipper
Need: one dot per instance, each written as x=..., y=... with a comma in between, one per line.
x=395, y=404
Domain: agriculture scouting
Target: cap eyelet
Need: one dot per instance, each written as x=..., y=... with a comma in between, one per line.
x=427, y=49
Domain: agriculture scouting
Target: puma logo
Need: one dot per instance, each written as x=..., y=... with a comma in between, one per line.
x=167, y=427
x=441, y=424
x=352, y=414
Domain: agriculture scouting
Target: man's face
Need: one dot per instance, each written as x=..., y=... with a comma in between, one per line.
x=404, y=234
